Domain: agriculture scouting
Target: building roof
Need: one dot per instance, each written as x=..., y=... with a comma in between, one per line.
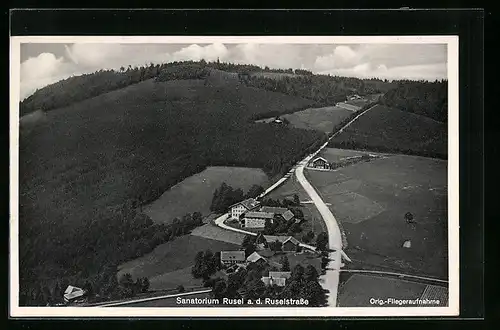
x=280, y=274
x=279, y=281
x=232, y=255
x=73, y=292
x=255, y=257
x=265, y=215
x=282, y=239
x=320, y=158
x=249, y=204
x=288, y=215
x=272, y=209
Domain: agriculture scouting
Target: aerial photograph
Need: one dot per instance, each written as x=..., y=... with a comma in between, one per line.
x=226, y=174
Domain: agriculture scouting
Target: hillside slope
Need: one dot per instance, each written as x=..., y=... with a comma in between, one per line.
x=390, y=130
x=85, y=167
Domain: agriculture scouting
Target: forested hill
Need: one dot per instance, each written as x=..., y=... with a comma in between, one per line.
x=428, y=99
x=320, y=88
x=86, y=167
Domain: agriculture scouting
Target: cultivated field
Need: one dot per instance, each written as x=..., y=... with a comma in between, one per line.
x=167, y=265
x=195, y=193
x=371, y=199
x=359, y=289
x=390, y=130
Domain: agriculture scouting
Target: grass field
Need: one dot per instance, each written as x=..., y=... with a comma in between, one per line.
x=213, y=232
x=195, y=193
x=174, y=256
x=371, y=199
x=333, y=154
x=320, y=119
x=390, y=130
x=359, y=289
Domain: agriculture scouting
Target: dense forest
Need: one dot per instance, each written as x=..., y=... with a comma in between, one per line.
x=428, y=99
x=121, y=150
x=321, y=88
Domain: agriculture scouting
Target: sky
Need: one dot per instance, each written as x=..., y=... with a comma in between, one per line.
x=45, y=63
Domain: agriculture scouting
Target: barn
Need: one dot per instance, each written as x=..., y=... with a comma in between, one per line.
x=320, y=162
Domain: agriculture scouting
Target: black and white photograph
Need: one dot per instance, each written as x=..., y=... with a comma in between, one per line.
x=230, y=176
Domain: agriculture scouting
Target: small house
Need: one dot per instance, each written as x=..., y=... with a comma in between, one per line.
x=256, y=257
x=254, y=219
x=228, y=258
x=72, y=293
x=291, y=244
x=276, y=278
x=320, y=162
x=239, y=208
x=282, y=211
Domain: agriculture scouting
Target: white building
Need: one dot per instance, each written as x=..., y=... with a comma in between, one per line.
x=239, y=208
x=256, y=219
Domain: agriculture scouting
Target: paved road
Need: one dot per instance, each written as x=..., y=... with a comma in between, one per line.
x=331, y=277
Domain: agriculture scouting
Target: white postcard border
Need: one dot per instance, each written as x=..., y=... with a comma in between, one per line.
x=453, y=186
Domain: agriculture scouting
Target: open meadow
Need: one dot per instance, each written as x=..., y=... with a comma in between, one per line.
x=359, y=289
x=321, y=119
x=194, y=194
x=168, y=265
x=371, y=200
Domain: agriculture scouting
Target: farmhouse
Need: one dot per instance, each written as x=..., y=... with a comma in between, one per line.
x=239, y=208
x=229, y=258
x=255, y=257
x=256, y=219
x=72, y=293
x=282, y=211
x=290, y=243
x=320, y=162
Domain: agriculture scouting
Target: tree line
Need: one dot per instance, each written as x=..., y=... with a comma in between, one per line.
x=424, y=98
x=321, y=88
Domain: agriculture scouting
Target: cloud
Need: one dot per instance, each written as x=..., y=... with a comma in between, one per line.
x=415, y=72
x=196, y=52
x=342, y=57
x=42, y=70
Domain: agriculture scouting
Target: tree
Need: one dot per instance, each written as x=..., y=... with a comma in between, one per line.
x=276, y=246
x=88, y=288
x=268, y=227
x=248, y=244
x=311, y=274
x=254, y=191
x=296, y=200
x=285, y=264
x=197, y=218
x=297, y=273
x=322, y=241
x=145, y=284
x=181, y=289
x=219, y=289
x=314, y=293
x=58, y=293
x=409, y=217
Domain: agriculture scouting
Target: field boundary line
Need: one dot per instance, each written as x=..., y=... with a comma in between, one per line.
x=155, y=298
x=394, y=274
